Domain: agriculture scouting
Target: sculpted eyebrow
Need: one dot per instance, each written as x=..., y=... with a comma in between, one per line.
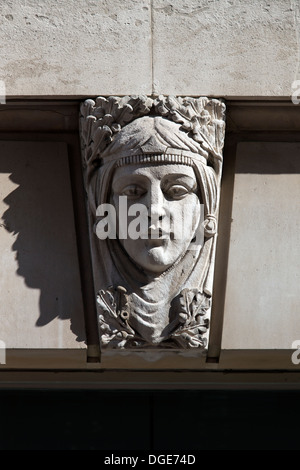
x=123, y=181
x=180, y=177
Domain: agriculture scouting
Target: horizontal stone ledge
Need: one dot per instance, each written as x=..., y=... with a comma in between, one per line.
x=150, y=380
x=152, y=361
x=53, y=114
x=44, y=359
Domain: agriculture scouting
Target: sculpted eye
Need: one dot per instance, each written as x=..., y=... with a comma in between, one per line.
x=133, y=191
x=177, y=191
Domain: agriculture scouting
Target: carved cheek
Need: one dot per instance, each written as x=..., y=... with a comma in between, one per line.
x=196, y=212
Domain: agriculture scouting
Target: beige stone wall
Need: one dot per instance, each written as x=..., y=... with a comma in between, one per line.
x=262, y=292
x=229, y=48
x=41, y=301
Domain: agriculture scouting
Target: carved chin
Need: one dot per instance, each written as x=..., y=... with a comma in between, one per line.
x=154, y=260
x=155, y=256
x=158, y=259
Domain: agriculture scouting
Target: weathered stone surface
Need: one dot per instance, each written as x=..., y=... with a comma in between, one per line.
x=262, y=295
x=78, y=47
x=226, y=47
x=41, y=303
x=223, y=48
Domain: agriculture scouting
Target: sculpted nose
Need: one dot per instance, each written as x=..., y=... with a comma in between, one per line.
x=157, y=209
x=157, y=212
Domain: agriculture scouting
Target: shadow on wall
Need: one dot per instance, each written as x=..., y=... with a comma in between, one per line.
x=40, y=218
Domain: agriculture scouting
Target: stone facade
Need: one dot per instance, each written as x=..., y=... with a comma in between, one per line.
x=224, y=48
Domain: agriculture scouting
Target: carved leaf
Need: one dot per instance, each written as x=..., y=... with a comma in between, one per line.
x=102, y=118
x=203, y=117
x=193, y=306
x=107, y=302
x=113, y=324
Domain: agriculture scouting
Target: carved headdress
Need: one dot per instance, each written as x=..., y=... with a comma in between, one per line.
x=202, y=119
x=118, y=131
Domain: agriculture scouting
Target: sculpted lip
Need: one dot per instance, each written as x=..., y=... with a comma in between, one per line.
x=156, y=242
x=158, y=237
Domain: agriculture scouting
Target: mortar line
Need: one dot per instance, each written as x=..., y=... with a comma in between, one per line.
x=295, y=9
x=152, y=59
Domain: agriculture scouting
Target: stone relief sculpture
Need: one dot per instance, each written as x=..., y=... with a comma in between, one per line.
x=154, y=287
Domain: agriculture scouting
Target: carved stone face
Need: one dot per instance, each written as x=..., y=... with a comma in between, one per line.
x=169, y=194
